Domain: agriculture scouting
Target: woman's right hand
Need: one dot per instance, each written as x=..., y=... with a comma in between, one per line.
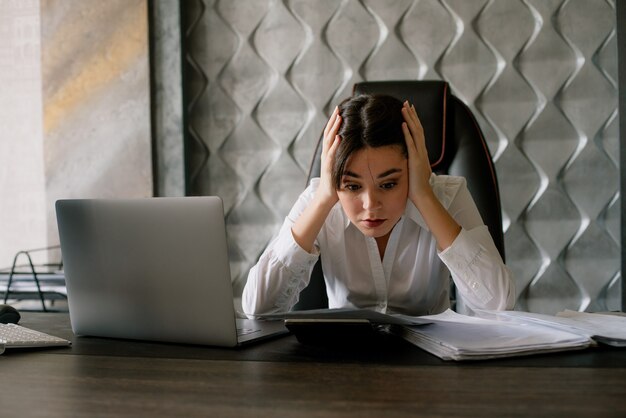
x=327, y=191
x=308, y=225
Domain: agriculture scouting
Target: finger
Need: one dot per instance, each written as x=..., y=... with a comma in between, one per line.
x=410, y=143
x=413, y=123
x=331, y=140
x=331, y=121
x=332, y=132
x=410, y=123
x=335, y=128
x=418, y=123
x=417, y=120
x=328, y=160
x=412, y=114
x=333, y=148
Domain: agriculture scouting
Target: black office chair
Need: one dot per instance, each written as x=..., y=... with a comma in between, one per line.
x=456, y=146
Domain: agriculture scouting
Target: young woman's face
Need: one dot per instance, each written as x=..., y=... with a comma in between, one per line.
x=374, y=188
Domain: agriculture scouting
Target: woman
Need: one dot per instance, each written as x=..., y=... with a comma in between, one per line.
x=389, y=232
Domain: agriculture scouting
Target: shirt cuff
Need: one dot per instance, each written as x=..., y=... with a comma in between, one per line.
x=292, y=256
x=462, y=258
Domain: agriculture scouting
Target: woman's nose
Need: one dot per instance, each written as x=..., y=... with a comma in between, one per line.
x=370, y=200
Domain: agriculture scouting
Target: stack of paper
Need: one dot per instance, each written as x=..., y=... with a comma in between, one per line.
x=452, y=336
x=604, y=328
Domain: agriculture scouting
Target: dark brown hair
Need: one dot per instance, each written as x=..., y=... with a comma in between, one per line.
x=367, y=121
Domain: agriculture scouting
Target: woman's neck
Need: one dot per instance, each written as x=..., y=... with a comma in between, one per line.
x=382, y=241
x=382, y=244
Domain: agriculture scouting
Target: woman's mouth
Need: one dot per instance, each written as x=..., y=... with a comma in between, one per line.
x=372, y=223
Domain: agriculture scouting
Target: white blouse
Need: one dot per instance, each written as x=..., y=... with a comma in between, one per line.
x=412, y=278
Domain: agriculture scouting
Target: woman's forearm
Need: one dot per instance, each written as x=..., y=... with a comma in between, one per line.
x=441, y=224
x=308, y=225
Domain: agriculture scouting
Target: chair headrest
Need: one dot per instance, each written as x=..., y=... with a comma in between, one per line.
x=430, y=99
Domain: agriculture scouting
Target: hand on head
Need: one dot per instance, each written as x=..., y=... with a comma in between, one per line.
x=419, y=165
x=308, y=225
x=327, y=190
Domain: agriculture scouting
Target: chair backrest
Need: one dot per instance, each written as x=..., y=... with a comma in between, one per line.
x=456, y=146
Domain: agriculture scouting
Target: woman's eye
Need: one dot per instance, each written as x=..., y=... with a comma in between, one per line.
x=351, y=187
x=389, y=185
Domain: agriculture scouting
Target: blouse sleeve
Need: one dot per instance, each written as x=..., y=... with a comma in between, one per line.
x=283, y=270
x=482, y=279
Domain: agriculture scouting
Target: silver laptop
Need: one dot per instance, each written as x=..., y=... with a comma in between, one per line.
x=152, y=269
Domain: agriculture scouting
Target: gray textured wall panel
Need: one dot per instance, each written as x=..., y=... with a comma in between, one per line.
x=540, y=76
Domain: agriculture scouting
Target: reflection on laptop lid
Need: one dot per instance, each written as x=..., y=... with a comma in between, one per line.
x=151, y=269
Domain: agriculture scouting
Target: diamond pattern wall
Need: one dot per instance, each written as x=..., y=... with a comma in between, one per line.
x=540, y=76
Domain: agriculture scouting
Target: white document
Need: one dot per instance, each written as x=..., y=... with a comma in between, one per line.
x=452, y=336
x=603, y=328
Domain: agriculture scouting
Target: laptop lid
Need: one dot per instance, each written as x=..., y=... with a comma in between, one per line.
x=148, y=269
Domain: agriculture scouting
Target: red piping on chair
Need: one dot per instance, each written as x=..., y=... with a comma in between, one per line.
x=443, y=131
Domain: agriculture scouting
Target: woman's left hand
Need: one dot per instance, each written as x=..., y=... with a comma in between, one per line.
x=419, y=165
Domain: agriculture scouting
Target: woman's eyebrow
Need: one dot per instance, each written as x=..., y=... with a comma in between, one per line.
x=389, y=172
x=381, y=175
x=351, y=174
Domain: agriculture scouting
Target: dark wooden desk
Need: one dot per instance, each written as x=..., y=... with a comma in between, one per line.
x=102, y=377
